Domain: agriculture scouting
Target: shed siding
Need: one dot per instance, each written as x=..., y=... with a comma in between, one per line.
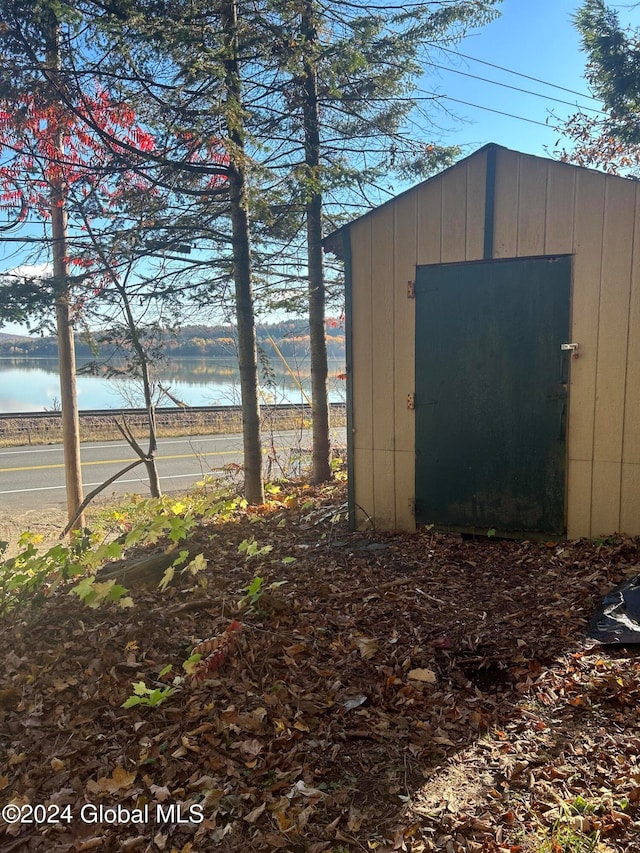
x=631, y=435
x=541, y=207
x=404, y=270
x=630, y=497
x=383, y=363
x=559, y=214
x=587, y=262
x=453, y=213
x=429, y=198
x=532, y=206
x=505, y=233
x=630, y=481
x=361, y=377
x=613, y=341
x=476, y=192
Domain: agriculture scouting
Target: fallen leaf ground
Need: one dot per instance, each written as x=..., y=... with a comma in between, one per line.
x=415, y=692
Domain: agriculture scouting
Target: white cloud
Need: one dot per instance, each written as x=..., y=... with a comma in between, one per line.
x=43, y=270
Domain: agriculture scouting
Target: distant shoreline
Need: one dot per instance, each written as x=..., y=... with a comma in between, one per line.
x=290, y=337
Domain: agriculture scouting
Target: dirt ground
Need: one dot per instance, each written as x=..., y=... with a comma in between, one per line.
x=47, y=522
x=416, y=692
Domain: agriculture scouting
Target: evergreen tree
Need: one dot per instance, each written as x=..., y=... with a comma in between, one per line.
x=339, y=110
x=610, y=141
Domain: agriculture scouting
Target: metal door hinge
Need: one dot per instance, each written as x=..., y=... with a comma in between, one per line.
x=411, y=401
x=411, y=290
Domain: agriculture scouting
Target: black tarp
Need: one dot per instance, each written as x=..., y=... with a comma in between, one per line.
x=617, y=618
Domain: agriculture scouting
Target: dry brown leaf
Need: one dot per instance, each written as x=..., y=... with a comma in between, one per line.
x=354, y=821
x=428, y=676
x=254, y=814
x=120, y=780
x=501, y=624
x=366, y=646
x=160, y=793
x=273, y=840
x=94, y=843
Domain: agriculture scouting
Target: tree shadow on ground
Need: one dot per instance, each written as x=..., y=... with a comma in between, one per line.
x=416, y=692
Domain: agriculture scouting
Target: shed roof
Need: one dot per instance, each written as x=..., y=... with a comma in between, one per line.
x=333, y=242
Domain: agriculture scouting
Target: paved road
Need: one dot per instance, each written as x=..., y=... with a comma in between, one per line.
x=33, y=477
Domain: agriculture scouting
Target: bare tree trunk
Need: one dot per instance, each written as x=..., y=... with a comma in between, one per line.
x=64, y=325
x=143, y=360
x=242, y=273
x=150, y=463
x=317, y=334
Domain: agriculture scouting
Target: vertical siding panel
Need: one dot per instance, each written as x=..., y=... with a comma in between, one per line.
x=588, y=232
x=561, y=187
x=532, y=203
x=384, y=503
x=630, y=499
x=475, y=201
x=631, y=438
x=383, y=363
x=429, y=221
x=362, y=380
x=405, y=225
x=630, y=487
x=579, y=476
x=454, y=214
x=605, y=497
x=505, y=234
x=613, y=331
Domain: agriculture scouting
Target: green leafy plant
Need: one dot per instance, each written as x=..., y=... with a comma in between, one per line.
x=580, y=806
x=250, y=548
x=254, y=592
x=565, y=839
x=147, y=520
x=193, y=568
x=93, y=593
x=148, y=697
x=32, y=575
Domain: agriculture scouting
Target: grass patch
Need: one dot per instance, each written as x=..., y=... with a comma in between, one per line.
x=16, y=432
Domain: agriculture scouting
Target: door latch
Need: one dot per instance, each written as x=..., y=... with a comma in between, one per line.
x=572, y=348
x=411, y=401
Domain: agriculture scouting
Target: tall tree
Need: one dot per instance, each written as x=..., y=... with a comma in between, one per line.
x=311, y=101
x=180, y=67
x=46, y=147
x=59, y=169
x=60, y=253
x=610, y=140
x=345, y=94
x=241, y=244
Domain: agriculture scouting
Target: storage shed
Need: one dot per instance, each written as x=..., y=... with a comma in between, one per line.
x=493, y=351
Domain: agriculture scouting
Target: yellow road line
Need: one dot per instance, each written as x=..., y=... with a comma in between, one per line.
x=120, y=461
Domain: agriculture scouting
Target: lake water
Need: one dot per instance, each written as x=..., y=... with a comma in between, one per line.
x=31, y=385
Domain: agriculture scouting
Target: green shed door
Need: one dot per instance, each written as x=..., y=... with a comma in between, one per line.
x=491, y=394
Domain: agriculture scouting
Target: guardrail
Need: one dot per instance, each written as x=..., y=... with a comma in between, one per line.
x=46, y=427
x=163, y=410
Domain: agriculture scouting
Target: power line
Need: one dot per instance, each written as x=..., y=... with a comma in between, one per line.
x=510, y=71
x=434, y=95
x=516, y=88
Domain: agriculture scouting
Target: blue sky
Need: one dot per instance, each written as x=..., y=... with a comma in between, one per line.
x=533, y=37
